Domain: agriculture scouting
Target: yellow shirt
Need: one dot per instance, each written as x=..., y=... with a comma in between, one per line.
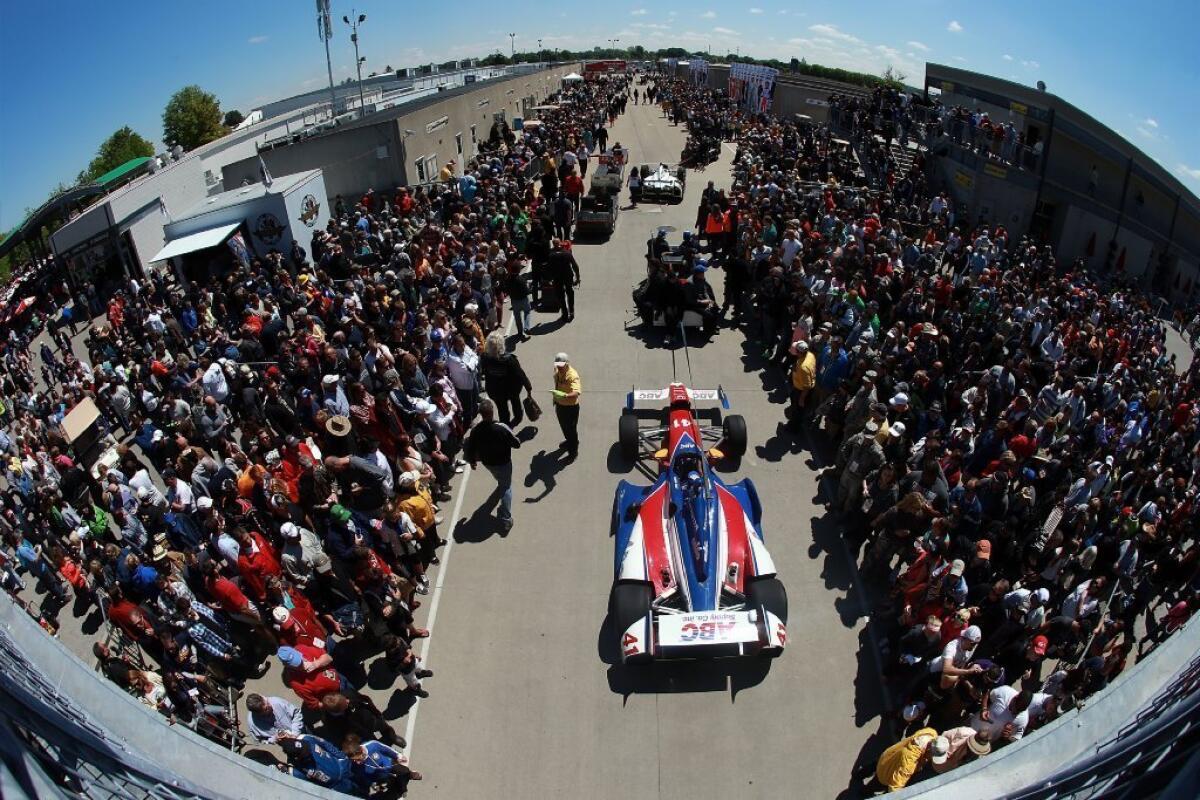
x=899, y=762
x=567, y=381
x=804, y=374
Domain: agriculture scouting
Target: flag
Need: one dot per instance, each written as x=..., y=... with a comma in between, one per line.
x=162, y=208
x=264, y=172
x=324, y=23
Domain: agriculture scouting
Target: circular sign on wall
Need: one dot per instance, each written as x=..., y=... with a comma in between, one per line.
x=310, y=209
x=268, y=229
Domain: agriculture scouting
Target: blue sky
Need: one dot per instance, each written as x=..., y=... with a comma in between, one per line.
x=75, y=71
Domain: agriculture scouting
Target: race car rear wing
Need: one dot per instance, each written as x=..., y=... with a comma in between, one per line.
x=636, y=396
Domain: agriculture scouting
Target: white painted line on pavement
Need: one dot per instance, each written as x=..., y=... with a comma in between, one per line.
x=436, y=597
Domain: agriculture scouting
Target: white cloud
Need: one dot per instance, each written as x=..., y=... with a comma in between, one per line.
x=832, y=32
x=954, y=27
x=755, y=10
x=924, y=48
x=709, y=15
x=960, y=59
x=639, y=12
x=1144, y=131
x=725, y=31
x=782, y=11
x=1191, y=172
x=1030, y=64
x=1150, y=122
x=257, y=39
x=1007, y=57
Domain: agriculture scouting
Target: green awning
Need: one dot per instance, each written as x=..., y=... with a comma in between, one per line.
x=121, y=171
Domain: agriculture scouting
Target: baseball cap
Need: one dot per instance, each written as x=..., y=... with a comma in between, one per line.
x=290, y=656
x=280, y=615
x=939, y=750
x=983, y=549
x=1040, y=643
x=561, y=358
x=204, y=503
x=972, y=634
x=288, y=530
x=899, y=399
x=1043, y=595
x=801, y=344
x=329, y=380
x=957, y=566
x=896, y=429
x=340, y=513
x=408, y=478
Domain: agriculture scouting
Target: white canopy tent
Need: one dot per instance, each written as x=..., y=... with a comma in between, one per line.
x=572, y=77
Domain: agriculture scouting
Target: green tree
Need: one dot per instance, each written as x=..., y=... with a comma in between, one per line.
x=233, y=118
x=124, y=145
x=192, y=118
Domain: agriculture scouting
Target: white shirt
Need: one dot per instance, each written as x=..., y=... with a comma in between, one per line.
x=463, y=369
x=183, y=493
x=957, y=653
x=791, y=248
x=214, y=382
x=999, y=715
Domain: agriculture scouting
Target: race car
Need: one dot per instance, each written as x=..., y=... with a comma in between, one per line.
x=693, y=578
x=662, y=183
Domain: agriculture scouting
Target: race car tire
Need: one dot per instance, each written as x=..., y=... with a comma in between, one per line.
x=629, y=603
x=733, y=430
x=627, y=436
x=770, y=595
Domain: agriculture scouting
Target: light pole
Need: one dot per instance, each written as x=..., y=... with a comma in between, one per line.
x=612, y=45
x=512, y=39
x=361, y=18
x=539, y=49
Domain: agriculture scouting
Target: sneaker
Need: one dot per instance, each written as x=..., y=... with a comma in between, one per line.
x=424, y=673
x=421, y=588
x=507, y=524
x=458, y=470
x=435, y=560
x=439, y=519
x=419, y=692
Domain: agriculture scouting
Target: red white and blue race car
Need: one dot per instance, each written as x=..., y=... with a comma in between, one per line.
x=693, y=577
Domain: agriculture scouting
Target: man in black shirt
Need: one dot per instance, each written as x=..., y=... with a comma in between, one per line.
x=564, y=271
x=492, y=443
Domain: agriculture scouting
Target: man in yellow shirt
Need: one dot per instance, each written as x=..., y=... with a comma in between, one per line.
x=804, y=378
x=567, y=389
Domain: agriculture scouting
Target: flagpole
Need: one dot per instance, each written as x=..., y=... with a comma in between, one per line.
x=326, y=34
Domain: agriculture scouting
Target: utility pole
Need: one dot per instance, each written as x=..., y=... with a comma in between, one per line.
x=325, y=31
x=361, y=18
x=539, y=49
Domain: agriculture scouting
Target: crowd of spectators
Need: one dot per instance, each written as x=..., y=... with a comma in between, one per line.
x=287, y=431
x=1015, y=452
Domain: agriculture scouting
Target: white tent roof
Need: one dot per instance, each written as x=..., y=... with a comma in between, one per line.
x=196, y=241
x=572, y=76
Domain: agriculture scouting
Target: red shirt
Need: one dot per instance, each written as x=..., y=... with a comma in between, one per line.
x=312, y=686
x=304, y=627
x=226, y=592
x=1022, y=446
x=129, y=618
x=257, y=564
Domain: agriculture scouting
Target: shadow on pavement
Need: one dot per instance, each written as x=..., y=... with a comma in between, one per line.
x=482, y=524
x=864, y=764
x=544, y=467
x=827, y=532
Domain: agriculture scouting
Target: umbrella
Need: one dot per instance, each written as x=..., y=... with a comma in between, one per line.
x=573, y=76
x=24, y=306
